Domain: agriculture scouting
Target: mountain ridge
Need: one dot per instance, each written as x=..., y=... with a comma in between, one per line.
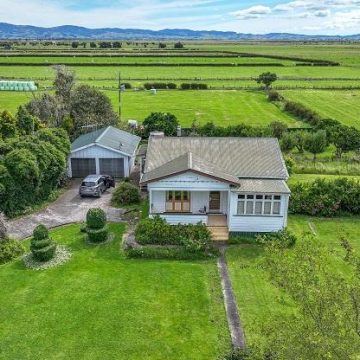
x=31, y=32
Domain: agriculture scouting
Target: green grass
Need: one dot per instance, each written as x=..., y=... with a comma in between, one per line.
x=295, y=178
x=256, y=297
x=100, y=305
x=222, y=107
x=343, y=106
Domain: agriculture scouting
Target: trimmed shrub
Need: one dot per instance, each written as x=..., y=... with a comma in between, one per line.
x=98, y=235
x=193, y=86
x=9, y=250
x=126, y=194
x=158, y=85
x=96, y=227
x=95, y=218
x=273, y=95
x=283, y=238
x=42, y=246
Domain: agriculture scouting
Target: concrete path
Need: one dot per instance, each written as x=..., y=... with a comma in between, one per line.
x=68, y=208
x=232, y=314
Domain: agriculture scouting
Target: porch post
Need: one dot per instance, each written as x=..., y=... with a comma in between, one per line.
x=150, y=201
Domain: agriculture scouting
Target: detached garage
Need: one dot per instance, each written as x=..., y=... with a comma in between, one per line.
x=108, y=151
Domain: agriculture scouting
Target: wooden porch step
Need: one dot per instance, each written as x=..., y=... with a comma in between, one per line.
x=219, y=233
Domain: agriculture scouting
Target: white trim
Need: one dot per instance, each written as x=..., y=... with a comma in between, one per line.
x=102, y=146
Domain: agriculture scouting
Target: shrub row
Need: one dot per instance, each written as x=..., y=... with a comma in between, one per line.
x=193, y=86
x=159, y=85
x=326, y=197
x=158, y=232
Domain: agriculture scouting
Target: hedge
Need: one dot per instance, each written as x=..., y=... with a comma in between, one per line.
x=326, y=197
x=157, y=231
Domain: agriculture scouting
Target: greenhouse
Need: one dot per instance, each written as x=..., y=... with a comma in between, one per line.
x=17, y=85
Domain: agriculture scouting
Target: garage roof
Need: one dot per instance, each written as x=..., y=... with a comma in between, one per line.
x=109, y=137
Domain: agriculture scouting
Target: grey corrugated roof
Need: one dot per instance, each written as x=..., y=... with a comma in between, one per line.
x=109, y=137
x=240, y=157
x=188, y=162
x=263, y=186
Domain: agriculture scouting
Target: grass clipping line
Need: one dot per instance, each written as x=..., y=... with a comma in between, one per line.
x=62, y=255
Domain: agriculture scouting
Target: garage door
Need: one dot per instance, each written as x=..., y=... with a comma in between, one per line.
x=113, y=167
x=83, y=167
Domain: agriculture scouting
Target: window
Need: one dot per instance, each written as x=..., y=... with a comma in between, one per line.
x=258, y=204
x=178, y=201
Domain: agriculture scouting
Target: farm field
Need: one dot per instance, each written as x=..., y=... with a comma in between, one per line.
x=101, y=305
x=257, y=298
x=222, y=107
x=296, y=178
x=343, y=106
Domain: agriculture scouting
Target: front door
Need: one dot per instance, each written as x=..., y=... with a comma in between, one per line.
x=214, y=201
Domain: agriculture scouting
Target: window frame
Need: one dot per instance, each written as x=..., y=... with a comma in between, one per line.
x=185, y=205
x=255, y=198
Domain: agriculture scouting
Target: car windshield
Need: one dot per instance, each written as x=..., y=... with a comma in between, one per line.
x=88, y=183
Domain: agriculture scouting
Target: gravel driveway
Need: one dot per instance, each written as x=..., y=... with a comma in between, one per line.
x=68, y=208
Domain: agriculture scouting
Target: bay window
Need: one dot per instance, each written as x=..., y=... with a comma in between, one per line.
x=258, y=204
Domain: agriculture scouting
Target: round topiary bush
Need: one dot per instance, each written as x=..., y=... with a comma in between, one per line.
x=126, y=194
x=96, y=227
x=95, y=218
x=42, y=246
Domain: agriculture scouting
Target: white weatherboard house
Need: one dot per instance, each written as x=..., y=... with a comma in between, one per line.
x=108, y=151
x=237, y=184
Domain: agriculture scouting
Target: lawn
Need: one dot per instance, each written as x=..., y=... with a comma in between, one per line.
x=343, y=106
x=222, y=107
x=103, y=306
x=256, y=297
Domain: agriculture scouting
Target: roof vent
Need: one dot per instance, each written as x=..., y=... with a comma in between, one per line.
x=120, y=145
x=157, y=134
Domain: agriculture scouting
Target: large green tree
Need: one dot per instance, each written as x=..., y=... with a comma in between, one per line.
x=267, y=79
x=160, y=122
x=8, y=127
x=345, y=139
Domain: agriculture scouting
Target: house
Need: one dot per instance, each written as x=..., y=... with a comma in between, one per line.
x=109, y=151
x=230, y=184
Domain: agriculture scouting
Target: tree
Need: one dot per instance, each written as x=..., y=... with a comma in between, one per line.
x=326, y=324
x=315, y=143
x=93, y=45
x=63, y=83
x=345, y=139
x=267, y=79
x=179, y=45
x=47, y=108
x=116, y=44
x=287, y=142
x=26, y=123
x=160, y=122
x=278, y=128
x=90, y=106
x=299, y=138
x=162, y=45
x=7, y=125
x=74, y=44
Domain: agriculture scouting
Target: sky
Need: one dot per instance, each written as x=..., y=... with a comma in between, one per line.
x=333, y=17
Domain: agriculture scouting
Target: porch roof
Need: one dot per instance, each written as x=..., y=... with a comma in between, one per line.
x=263, y=186
x=189, y=162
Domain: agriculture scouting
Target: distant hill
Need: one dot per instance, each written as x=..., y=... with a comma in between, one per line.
x=10, y=31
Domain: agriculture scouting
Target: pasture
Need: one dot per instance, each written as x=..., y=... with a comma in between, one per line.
x=343, y=106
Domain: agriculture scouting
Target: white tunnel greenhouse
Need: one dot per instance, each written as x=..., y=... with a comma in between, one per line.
x=17, y=85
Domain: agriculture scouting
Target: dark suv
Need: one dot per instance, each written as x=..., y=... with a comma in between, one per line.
x=95, y=185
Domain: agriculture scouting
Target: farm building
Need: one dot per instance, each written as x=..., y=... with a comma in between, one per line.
x=108, y=151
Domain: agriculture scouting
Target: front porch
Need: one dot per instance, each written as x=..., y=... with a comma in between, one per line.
x=184, y=206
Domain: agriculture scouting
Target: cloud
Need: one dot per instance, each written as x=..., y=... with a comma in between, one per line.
x=322, y=13
x=253, y=12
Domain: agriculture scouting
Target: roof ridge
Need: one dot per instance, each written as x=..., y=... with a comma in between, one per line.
x=190, y=162
x=102, y=134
